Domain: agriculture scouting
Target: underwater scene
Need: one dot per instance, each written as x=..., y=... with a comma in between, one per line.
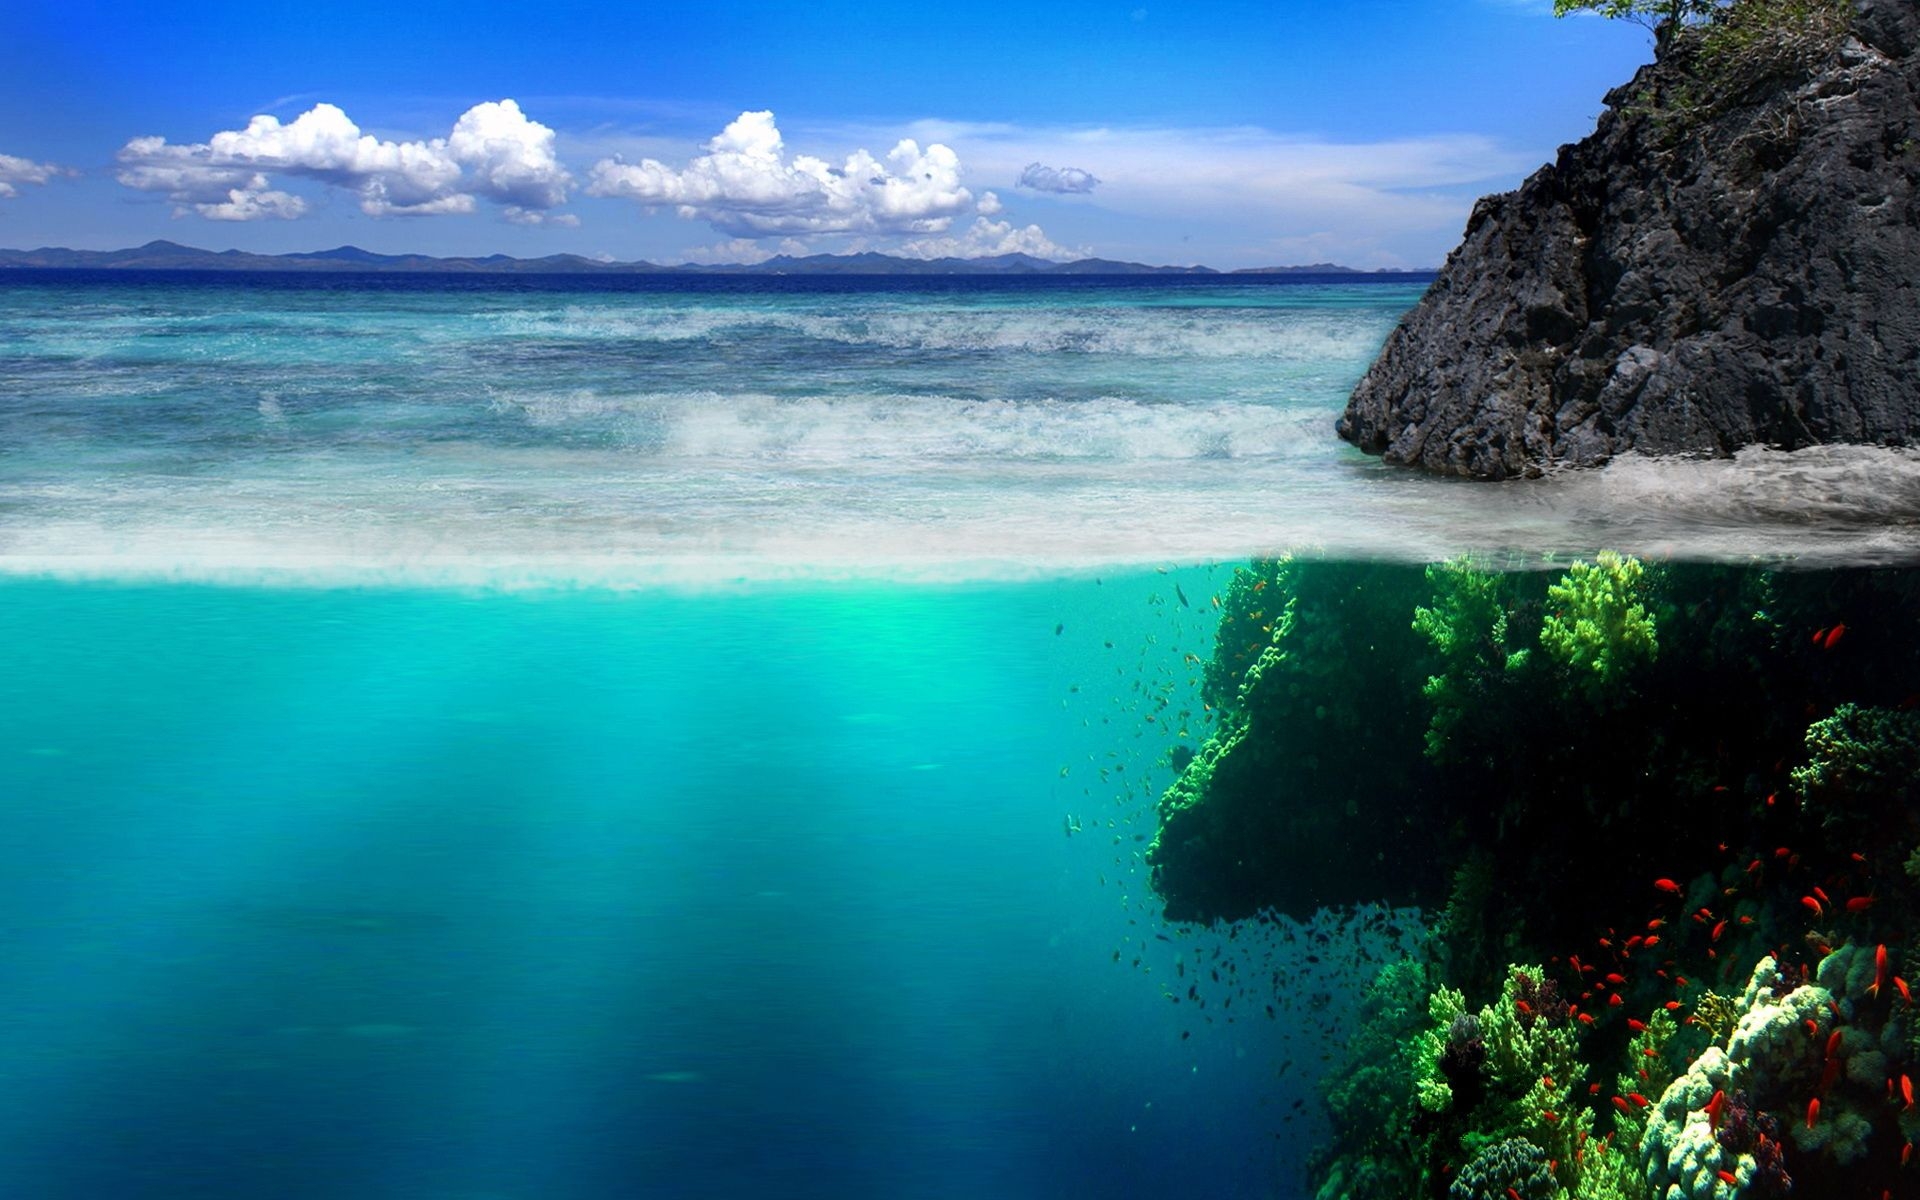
x=586, y=739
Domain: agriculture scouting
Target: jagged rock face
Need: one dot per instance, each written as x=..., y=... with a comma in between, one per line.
x=1751, y=279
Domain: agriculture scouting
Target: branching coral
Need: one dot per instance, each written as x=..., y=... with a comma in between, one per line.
x=1370, y=1096
x=1860, y=755
x=1510, y=1070
x=1466, y=625
x=1597, y=626
x=1256, y=607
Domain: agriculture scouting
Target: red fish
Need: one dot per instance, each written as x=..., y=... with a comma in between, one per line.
x=1813, y=1111
x=1638, y=1100
x=1820, y=635
x=1652, y=941
x=1673, y=1005
x=1715, y=1107
x=1823, y=896
x=1859, y=904
x=1904, y=993
x=1620, y=1102
x=1813, y=905
x=1667, y=885
x=1727, y=1177
x=1833, y=638
x=1616, y=979
x=1879, y=970
x=1906, y=1090
x=1636, y=1026
x=1833, y=1044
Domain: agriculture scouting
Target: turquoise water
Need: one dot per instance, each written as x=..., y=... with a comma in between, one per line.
x=429, y=894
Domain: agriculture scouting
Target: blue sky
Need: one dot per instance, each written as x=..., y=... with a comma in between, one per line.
x=1225, y=133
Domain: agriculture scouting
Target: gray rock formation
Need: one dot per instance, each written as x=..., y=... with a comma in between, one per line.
x=1730, y=258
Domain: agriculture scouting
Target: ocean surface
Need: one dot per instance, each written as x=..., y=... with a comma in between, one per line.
x=560, y=740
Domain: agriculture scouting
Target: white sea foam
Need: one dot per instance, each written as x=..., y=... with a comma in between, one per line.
x=479, y=517
x=1205, y=333
x=916, y=431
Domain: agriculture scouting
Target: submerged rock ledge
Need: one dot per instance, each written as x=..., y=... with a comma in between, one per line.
x=1729, y=259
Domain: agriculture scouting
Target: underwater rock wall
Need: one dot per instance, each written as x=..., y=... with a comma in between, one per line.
x=1729, y=259
x=1667, y=815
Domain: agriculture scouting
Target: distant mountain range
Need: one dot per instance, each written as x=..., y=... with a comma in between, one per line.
x=171, y=256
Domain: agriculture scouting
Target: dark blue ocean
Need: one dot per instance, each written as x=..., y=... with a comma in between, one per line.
x=560, y=740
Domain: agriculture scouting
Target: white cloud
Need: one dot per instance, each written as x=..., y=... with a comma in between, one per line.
x=747, y=186
x=989, y=205
x=1066, y=180
x=745, y=250
x=1396, y=202
x=494, y=152
x=16, y=171
x=985, y=238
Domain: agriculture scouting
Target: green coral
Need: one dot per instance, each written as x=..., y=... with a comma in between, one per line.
x=1860, y=754
x=1370, y=1096
x=1598, y=627
x=1444, y=1009
x=1531, y=1070
x=1466, y=624
x=1534, y=1067
x=1255, y=611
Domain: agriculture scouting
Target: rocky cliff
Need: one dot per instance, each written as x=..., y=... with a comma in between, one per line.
x=1730, y=258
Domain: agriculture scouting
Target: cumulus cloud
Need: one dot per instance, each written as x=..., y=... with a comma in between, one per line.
x=985, y=238
x=1240, y=191
x=16, y=171
x=746, y=251
x=1065, y=180
x=495, y=152
x=747, y=186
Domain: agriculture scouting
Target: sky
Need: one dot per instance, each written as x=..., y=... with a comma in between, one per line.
x=1227, y=134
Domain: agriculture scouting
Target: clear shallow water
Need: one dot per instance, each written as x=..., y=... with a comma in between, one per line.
x=438, y=430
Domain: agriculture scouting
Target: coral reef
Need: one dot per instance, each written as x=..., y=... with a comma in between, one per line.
x=1514, y=1167
x=1598, y=628
x=1370, y=1095
x=1642, y=781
